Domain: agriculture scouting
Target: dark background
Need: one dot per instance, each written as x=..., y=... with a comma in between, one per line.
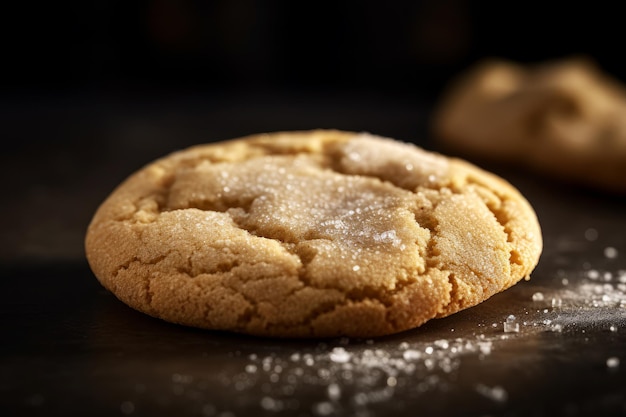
x=394, y=47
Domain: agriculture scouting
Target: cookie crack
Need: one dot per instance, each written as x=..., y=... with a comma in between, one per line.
x=136, y=260
x=148, y=292
x=425, y=219
x=224, y=267
x=453, y=294
x=146, y=281
x=125, y=266
x=428, y=221
x=501, y=216
x=328, y=308
x=251, y=311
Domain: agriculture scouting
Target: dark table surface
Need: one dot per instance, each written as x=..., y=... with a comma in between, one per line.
x=71, y=348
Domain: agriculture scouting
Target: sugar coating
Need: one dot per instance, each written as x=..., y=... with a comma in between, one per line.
x=310, y=234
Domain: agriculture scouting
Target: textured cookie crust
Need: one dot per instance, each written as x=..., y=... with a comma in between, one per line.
x=565, y=118
x=310, y=234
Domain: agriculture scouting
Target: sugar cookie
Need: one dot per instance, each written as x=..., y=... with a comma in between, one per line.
x=317, y=233
x=565, y=119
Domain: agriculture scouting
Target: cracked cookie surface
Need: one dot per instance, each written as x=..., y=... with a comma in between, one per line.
x=310, y=234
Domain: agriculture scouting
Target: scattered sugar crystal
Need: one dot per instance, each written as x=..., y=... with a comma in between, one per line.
x=557, y=303
x=593, y=274
x=591, y=234
x=359, y=376
x=610, y=252
x=485, y=347
x=356, y=268
x=613, y=328
x=442, y=343
x=510, y=325
x=496, y=393
x=324, y=408
x=411, y=354
x=557, y=328
x=339, y=355
x=612, y=362
x=565, y=281
x=334, y=391
x=538, y=296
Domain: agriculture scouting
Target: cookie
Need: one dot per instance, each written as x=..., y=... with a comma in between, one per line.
x=565, y=119
x=317, y=233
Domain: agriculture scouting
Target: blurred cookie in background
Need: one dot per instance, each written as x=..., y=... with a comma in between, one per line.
x=564, y=118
